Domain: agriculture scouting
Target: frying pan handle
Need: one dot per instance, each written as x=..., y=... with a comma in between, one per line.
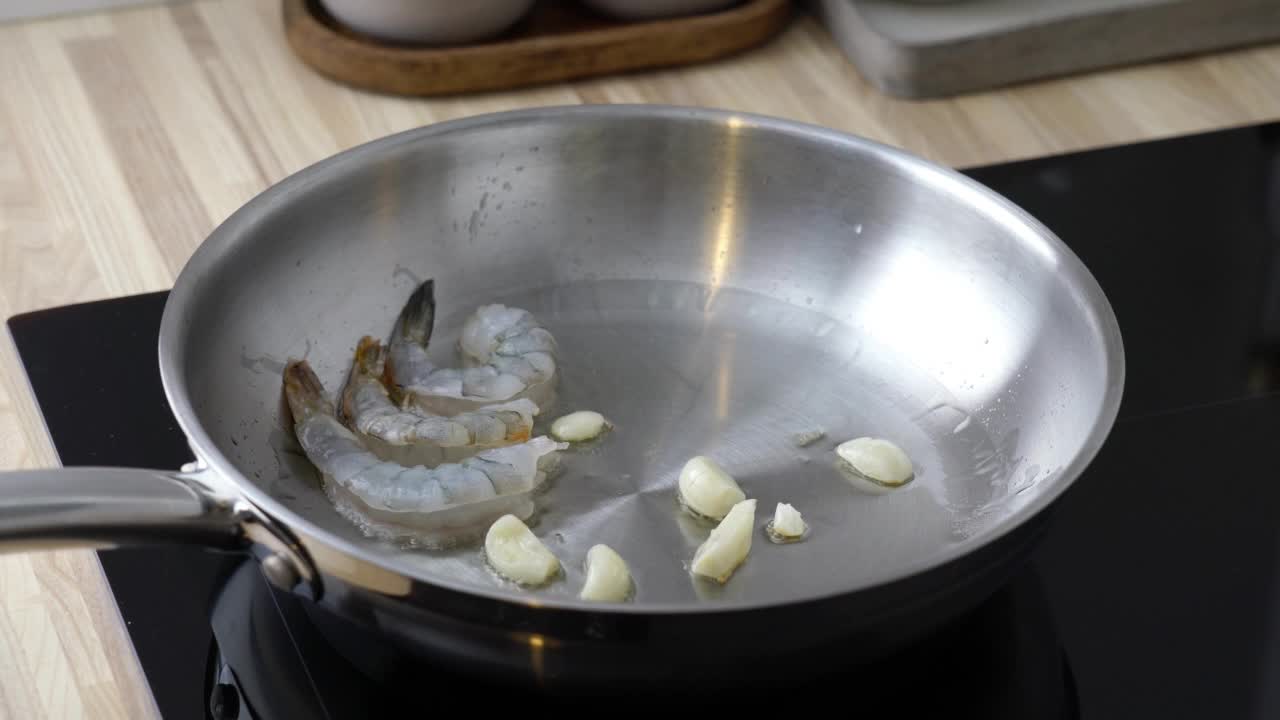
x=112, y=507
x=109, y=507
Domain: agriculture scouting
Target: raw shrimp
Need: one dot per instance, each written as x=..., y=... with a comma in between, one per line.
x=447, y=498
x=410, y=435
x=507, y=355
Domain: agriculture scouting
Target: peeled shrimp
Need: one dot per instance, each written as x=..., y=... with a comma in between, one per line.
x=457, y=495
x=410, y=435
x=507, y=355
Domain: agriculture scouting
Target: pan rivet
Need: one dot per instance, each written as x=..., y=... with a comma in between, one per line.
x=280, y=572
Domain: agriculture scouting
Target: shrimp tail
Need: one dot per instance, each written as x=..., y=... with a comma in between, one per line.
x=417, y=318
x=304, y=391
x=369, y=362
x=369, y=356
x=413, y=327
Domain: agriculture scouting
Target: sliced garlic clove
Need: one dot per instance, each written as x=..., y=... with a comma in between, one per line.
x=579, y=426
x=787, y=524
x=728, y=544
x=517, y=554
x=807, y=438
x=608, y=578
x=707, y=490
x=877, y=460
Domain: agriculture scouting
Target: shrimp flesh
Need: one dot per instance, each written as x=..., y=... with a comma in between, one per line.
x=507, y=355
x=430, y=504
x=410, y=435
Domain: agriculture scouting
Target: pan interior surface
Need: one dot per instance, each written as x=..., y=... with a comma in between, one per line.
x=718, y=285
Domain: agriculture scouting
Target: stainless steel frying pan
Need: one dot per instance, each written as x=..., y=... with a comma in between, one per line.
x=719, y=284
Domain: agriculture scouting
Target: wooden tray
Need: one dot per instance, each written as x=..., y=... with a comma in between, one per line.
x=558, y=41
x=917, y=50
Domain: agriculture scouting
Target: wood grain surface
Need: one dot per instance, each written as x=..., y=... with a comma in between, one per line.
x=125, y=137
x=558, y=41
x=961, y=47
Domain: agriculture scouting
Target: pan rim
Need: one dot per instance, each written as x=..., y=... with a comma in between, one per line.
x=172, y=353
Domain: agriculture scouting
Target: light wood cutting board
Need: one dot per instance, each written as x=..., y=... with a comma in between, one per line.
x=935, y=48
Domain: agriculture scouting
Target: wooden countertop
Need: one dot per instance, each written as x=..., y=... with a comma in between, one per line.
x=126, y=136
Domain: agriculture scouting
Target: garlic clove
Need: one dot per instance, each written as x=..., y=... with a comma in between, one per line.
x=807, y=438
x=608, y=578
x=706, y=489
x=517, y=554
x=877, y=460
x=787, y=524
x=579, y=426
x=727, y=546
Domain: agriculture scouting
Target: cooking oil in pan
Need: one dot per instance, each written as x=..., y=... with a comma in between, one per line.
x=768, y=389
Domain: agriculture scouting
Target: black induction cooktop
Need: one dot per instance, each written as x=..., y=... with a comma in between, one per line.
x=1156, y=592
